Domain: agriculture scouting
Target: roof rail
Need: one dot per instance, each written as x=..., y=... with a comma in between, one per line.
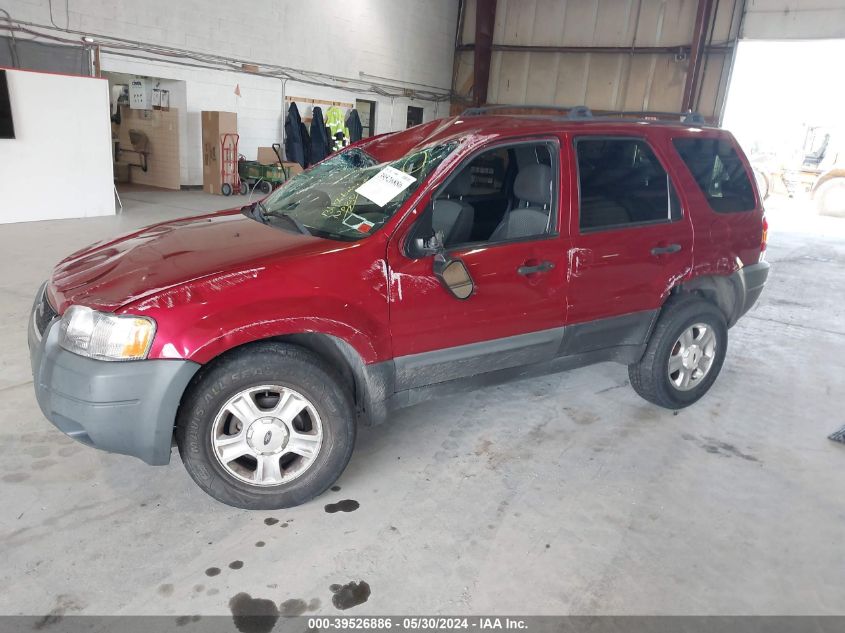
x=581, y=112
x=689, y=117
x=493, y=108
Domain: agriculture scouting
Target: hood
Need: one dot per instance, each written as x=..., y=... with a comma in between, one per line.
x=108, y=275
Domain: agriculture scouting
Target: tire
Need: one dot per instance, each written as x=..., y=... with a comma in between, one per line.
x=244, y=189
x=651, y=377
x=226, y=189
x=830, y=197
x=265, y=187
x=206, y=418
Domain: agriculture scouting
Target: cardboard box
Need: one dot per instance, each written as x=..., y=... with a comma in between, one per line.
x=267, y=156
x=214, y=126
x=292, y=168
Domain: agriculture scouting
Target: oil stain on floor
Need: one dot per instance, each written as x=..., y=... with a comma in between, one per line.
x=298, y=606
x=347, y=505
x=350, y=595
x=253, y=615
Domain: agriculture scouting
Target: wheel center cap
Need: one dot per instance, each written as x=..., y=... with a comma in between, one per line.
x=692, y=357
x=267, y=435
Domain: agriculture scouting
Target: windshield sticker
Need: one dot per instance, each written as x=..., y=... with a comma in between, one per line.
x=385, y=185
x=354, y=221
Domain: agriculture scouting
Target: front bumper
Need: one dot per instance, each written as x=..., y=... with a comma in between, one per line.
x=126, y=407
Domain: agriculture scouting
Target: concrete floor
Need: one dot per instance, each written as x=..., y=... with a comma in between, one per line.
x=557, y=495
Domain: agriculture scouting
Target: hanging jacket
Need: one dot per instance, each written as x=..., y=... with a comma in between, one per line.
x=334, y=119
x=353, y=123
x=319, y=141
x=294, y=145
x=306, y=144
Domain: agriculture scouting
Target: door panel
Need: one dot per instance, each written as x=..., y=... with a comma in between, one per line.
x=630, y=268
x=427, y=319
x=516, y=313
x=615, y=272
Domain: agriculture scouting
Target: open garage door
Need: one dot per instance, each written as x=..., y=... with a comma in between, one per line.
x=794, y=20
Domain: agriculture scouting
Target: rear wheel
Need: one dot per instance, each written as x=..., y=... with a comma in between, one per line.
x=268, y=426
x=684, y=354
x=226, y=189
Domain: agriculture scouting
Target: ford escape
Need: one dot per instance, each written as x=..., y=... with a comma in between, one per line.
x=410, y=265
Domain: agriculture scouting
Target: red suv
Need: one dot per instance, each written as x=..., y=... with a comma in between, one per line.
x=405, y=267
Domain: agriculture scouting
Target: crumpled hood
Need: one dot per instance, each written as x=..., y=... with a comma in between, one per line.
x=110, y=274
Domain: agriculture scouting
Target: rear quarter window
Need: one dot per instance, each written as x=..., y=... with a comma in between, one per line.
x=719, y=172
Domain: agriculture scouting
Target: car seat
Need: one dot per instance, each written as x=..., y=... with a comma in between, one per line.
x=533, y=189
x=454, y=220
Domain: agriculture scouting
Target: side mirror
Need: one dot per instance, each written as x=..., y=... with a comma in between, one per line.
x=454, y=276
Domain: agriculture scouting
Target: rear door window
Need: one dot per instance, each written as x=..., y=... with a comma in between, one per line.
x=719, y=172
x=622, y=183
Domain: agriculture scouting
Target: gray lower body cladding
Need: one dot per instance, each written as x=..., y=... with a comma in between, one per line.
x=751, y=279
x=121, y=407
x=439, y=373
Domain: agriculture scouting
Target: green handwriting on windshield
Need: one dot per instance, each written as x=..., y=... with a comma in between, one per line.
x=324, y=198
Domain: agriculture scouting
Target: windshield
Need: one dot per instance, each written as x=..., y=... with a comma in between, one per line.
x=351, y=195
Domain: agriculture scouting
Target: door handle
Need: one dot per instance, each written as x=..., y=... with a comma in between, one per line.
x=542, y=267
x=664, y=250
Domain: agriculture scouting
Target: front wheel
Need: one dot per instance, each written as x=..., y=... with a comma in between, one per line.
x=268, y=426
x=684, y=354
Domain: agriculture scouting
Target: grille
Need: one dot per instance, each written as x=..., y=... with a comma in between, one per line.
x=44, y=313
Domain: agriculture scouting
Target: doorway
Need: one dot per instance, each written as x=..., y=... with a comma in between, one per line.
x=367, y=113
x=784, y=107
x=415, y=116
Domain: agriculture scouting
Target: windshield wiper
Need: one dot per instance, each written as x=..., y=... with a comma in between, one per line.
x=259, y=212
x=256, y=211
x=299, y=225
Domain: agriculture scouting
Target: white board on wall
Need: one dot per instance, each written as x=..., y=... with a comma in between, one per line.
x=59, y=165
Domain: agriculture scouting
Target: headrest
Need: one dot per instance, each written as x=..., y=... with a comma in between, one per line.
x=534, y=184
x=446, y=210
x=445, y=215
x=461, y=184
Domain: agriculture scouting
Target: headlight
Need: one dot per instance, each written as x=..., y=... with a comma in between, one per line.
x=105, y=336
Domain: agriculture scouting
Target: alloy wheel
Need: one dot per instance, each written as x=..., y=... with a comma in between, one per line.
x=692, y=356
x=267, y=435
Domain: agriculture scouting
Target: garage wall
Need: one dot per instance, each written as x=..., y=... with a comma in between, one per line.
x=55, y=167
x=410, y=41
x=794, y=19
x=608, y=80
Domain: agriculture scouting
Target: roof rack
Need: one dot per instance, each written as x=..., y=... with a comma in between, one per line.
x=581, y=112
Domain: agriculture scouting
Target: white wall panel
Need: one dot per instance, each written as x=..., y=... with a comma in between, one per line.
x=56, y=167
